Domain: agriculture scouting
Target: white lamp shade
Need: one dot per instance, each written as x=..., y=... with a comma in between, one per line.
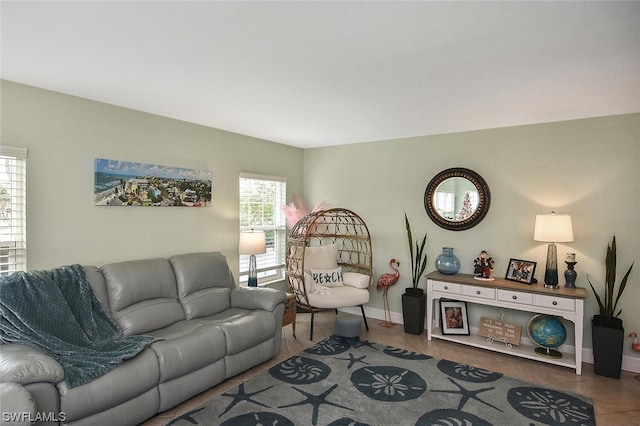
x=553, y=228
x=252, y=242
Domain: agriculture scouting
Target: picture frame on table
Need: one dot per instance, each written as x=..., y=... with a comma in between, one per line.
x=454, y=318
x=521, y=271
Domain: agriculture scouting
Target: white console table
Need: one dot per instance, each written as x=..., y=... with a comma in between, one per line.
x=562, y=302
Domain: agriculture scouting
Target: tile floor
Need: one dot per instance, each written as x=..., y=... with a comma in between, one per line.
x=616, y=402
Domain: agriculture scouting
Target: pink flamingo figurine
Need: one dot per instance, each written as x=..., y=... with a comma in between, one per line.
x=635, y=345
x=384, y=282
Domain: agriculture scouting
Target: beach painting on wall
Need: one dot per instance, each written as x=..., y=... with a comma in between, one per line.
x=124, y=183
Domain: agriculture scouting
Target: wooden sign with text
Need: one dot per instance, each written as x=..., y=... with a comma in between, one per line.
x=500, y=330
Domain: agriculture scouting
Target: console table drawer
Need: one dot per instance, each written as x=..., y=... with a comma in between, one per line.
x=515, y=297
x=481, y=292
x=452, y=288
x=555, y=302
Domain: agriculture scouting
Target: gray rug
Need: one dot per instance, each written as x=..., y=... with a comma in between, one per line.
x=339, y=383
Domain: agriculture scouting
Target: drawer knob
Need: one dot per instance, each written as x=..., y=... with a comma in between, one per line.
x=514, y=297
x=446, y=287
x=478, y=292
x=554, y=303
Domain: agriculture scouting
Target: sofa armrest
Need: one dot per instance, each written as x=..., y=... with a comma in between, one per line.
x=24, y=365
x=16, y=404
x=257, y=298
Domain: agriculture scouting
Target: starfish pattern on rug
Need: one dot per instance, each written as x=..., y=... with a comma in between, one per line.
x=316, y=401
x=366, y=343
x=353, y=359
x=467, y=395
x=315, y=387
x=240, y=396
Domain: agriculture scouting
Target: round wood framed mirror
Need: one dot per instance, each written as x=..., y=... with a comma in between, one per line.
x=457, y=199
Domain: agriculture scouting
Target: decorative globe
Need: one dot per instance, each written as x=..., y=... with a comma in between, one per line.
x=547, y=332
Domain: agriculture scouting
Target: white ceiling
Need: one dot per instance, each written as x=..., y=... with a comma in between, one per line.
x=312, y=74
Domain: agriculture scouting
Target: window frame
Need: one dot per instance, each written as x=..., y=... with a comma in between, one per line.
x=271, y=265
x=13, y=209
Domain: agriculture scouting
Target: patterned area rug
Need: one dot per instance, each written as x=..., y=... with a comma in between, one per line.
x=336, y=383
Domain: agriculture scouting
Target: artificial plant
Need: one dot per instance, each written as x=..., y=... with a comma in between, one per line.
x=610, y=304
x=418, y=257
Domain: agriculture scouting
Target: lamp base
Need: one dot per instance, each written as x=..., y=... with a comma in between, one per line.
x=551, y=271
x=253, y=272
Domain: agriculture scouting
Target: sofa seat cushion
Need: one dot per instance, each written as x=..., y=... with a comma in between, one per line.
x=132, y=378
x=187, y=346
x=243, y=328
x=339, y=297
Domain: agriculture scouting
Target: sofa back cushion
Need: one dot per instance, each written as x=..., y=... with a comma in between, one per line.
x=204, y=283
x=142, y=295
x=96, y=281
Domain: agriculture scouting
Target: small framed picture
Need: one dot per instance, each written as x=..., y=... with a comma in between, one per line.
x=521, y=271
x=454, y=317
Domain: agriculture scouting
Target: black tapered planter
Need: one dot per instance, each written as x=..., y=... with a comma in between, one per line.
x=413, y=310
x=608, y=344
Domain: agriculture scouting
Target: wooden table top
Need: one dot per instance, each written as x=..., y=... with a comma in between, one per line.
x=500, y=283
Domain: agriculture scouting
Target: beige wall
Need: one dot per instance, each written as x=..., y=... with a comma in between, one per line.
x=64, y=135
x=587, y=168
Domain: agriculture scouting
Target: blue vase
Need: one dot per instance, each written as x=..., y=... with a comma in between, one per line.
x=447, y=263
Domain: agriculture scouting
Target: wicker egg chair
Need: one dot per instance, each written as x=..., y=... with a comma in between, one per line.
x=350, y=235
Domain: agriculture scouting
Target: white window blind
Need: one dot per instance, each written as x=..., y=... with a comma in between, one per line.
x=13, y=164
x=261, y=201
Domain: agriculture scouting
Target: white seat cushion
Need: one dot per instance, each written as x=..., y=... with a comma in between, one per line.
x=355, y=279
x=339, y=297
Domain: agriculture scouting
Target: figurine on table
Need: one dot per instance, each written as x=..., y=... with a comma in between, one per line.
x=483, y=265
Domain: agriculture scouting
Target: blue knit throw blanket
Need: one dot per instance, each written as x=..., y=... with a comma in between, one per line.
x=57, y=312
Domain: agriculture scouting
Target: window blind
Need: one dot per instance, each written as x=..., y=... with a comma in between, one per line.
x=261, y=201
x=13, y=164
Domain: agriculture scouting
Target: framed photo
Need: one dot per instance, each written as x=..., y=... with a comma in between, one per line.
x=521, y=271
x=454, y=317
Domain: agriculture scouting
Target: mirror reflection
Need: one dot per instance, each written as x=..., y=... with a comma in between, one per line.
x=457, y=199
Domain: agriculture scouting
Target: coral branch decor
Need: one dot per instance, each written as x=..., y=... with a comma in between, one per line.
x=295, y=210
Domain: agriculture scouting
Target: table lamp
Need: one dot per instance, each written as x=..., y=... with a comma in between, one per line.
x=552, y=228
x=252, y=243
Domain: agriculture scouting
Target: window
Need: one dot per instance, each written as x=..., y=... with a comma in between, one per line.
x=261, y=201
x=13, y=163
x=444, y=204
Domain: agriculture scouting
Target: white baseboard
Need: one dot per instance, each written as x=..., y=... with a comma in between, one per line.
x=631, y=364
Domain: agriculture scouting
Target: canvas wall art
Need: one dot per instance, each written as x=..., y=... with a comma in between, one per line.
x=124, y=183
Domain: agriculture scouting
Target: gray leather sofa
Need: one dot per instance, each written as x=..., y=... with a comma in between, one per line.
x=208, y=330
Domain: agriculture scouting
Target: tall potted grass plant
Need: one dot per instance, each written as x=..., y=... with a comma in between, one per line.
x=607, y=330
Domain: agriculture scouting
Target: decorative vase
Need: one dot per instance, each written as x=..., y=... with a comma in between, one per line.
x=447, y=263
x=570, y=275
